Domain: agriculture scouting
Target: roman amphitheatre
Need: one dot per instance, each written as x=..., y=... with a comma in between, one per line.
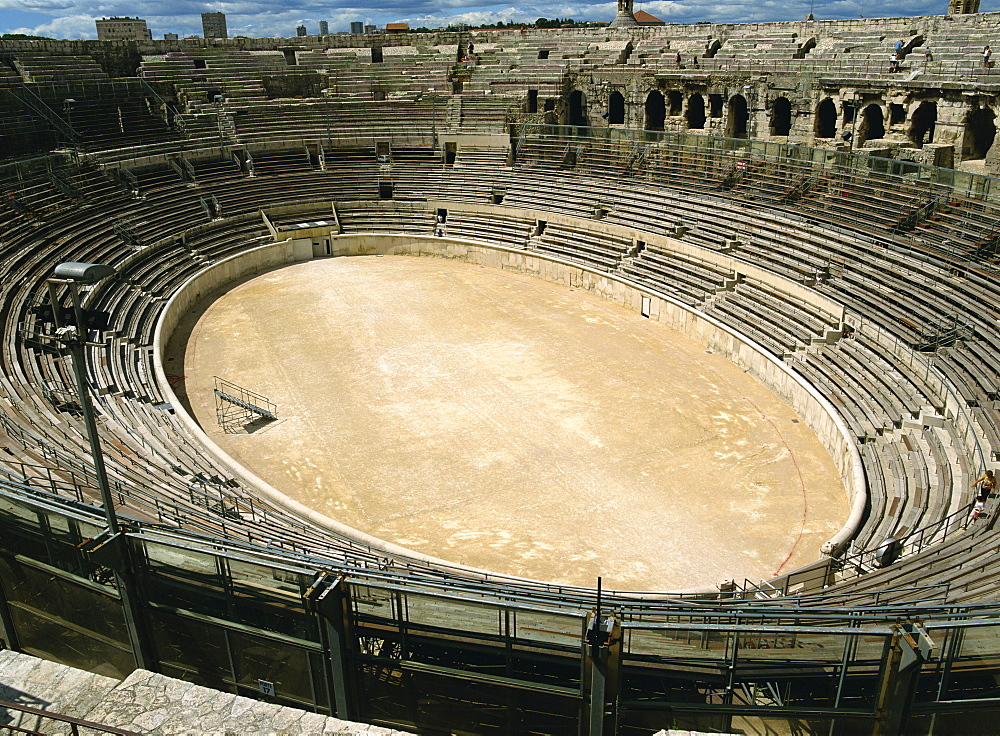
x=392, y=350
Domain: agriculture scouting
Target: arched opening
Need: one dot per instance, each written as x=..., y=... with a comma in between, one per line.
x=655, y=111
x=826, y=119
x=577, y=108
x=616, y=109
x=872, y=125
x=922, y=123
x=805, y=48
x=739, y=116
x=675, y=102
x=781, y=116
x=980, y=130
x=696, y=111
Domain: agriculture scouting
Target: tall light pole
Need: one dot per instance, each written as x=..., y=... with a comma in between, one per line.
x=73, y=336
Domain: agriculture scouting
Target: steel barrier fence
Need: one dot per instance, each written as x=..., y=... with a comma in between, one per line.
x=405, y=649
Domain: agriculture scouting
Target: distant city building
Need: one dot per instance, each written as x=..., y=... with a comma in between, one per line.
x=169, y=36
x=300, y=30
x=122, y=29
x=371, y=29
x=324, y=28
x=357, y=27
x=397, y=27
x=213, y=25
x=960, y=7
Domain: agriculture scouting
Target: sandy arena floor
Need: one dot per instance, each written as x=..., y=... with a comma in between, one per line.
x=504, y=422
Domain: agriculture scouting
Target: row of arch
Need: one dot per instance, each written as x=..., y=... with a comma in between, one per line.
x=658, y=106
x=867, y=123
x=870, y=124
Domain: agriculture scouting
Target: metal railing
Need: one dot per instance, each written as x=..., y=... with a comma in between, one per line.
x=74, y=724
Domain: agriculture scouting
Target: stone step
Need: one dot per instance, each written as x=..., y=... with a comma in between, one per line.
x=147, y=702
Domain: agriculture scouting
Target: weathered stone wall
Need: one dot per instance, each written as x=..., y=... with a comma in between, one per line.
x=820, y=88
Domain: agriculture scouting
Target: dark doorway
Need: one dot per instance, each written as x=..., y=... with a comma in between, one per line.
x=715, y=105
x=980, y=130
x=897, y=114
x=696, y=112
x=781, y=116
x=675, y=102
x=655, y=111
x=872, y=126
x=532, y=100
x=577, y=108
x=616, y=109
x=850, y=112
x=922, y=123
x=739, y=116
x=826, y=119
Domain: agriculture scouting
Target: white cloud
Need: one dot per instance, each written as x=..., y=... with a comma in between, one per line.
x=75, y=19
x=71, y=27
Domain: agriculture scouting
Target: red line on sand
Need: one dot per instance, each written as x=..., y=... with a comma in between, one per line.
x=798, y=470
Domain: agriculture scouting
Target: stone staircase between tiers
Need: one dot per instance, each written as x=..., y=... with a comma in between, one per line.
x=148, y=703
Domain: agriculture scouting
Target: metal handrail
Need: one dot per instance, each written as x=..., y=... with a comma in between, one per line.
x=73, y=722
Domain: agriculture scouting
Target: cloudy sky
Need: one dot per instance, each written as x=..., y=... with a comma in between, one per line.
x=75, y=18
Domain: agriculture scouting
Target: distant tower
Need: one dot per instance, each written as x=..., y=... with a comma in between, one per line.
x=357, y=27
x=300, y=30
x=962, y=7
x=324, y=28
x=625, y=18
x=213, y=25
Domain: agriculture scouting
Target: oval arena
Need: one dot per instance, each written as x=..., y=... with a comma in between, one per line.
x=849, y=282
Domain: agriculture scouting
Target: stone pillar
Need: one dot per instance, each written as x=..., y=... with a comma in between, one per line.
x=625, y=17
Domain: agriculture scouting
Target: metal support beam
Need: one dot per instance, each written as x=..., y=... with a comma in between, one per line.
x=326, y=597
x=603, y=645
x=911, y=646
x=7, y=630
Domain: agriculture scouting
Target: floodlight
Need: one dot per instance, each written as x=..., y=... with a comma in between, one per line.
x=83, y=273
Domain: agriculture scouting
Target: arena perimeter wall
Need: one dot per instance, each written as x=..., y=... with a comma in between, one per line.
x=815, y=410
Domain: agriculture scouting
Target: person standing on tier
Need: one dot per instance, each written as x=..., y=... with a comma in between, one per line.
x=987, y=53
x=986, y=483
